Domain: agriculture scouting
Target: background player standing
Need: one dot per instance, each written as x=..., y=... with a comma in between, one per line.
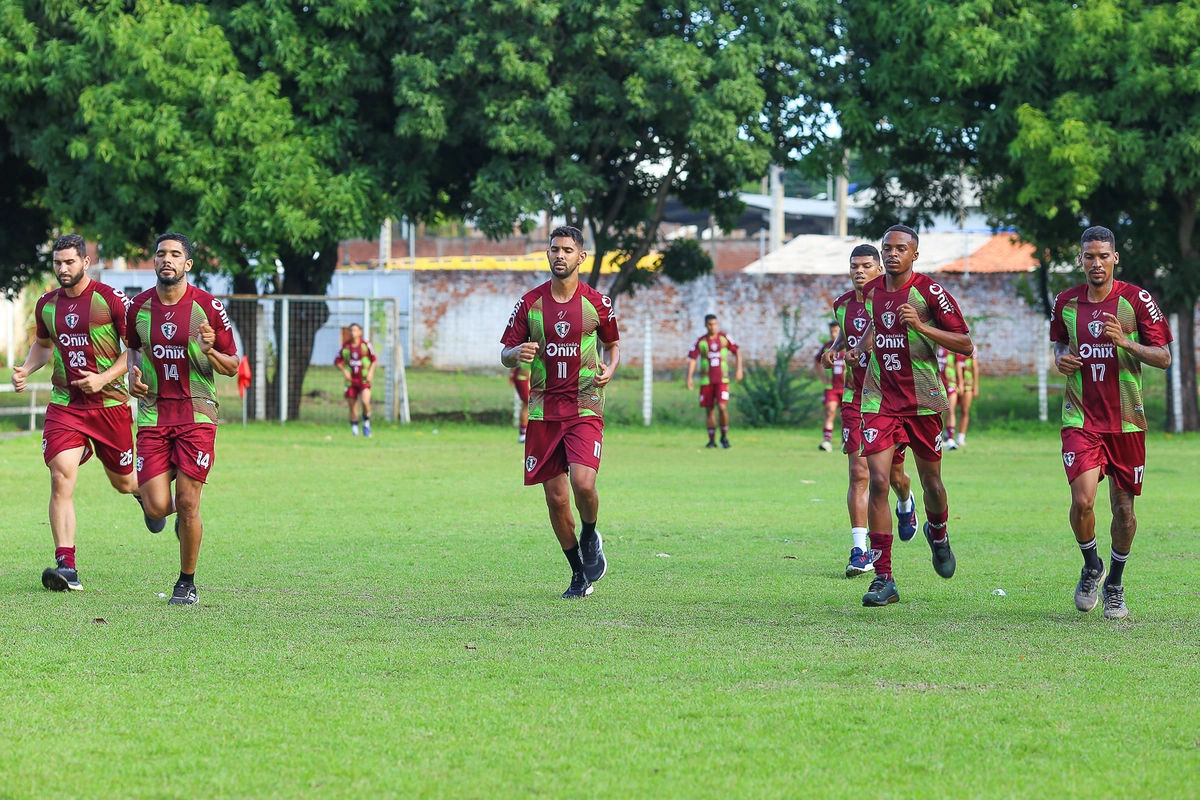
x=948, y=372
x=1103, y=331
x=833, y=374
x=903, y=398
x=178, y=335
x=559, y=329
x=968, y=390
x=519, y=378
x=853, y=322
x=714, y=347
x=356, y=360
x=80, y=326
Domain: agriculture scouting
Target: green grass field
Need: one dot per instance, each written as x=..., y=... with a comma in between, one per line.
x=381, y=618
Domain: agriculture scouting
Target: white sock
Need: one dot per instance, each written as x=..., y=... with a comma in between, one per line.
x=860, y=538
x=905, y=506
x=962, y=438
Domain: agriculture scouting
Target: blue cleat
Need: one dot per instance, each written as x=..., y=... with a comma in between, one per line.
x=580, y=587
x=860, y=563
x=591, y=550
x=906, y=524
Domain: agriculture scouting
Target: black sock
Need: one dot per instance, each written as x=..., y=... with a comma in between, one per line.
x=574, y=559
x=1091, y=558
x=1116, y=567
x=366, y=417
x=589, y=530
x=187, y=577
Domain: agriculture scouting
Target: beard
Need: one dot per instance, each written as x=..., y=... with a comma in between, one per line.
x=562, y=270
x=172, y=281
x=70, y=280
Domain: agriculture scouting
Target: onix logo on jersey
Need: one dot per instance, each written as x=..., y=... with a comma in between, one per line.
x=1095, y=328
x=937, y=291
x=871, y=434
x=860, y=323
x=564, y=350
x=168, y=329
x=1152, y=308
x=894, y=341
x=73, y=339
x=530, y=463
x=562, y=329
x=72, y=320
x=512, y=318
x=887, y=318
x=219, y=307
x=1097, y=351
x=169, y=351
x=1068, y=458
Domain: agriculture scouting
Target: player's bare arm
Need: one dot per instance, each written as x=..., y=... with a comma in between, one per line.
x=738, y=375
x=608, y=370
x=39, y=356
x=692, y=372
x=137, y=388
x=523, y=353
x=827, y=358
x=93, y=382
x=865, y=344
x=1158, y=357
x=1066, y=362
x=956, y=342
x=222, y=363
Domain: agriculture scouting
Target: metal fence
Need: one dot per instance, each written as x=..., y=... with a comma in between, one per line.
x=298, y=380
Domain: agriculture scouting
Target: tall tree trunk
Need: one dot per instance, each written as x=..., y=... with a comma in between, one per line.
x=1187, y=365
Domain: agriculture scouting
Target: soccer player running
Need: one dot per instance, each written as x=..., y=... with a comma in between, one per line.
x=1103, y=332
x=178, y=336
x=833, y=374
x=903, y=399
x=559, y=329
x=519, y=378
x=715, y=347
x=968, y=380
x=853, y=322
x=79, y=327
x=356, y=360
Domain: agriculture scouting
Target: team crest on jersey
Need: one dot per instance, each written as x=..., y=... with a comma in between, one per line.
x=860, y=323
x=870, y=434
x=169, y=328
x=1068, y=458
x=888, y=319
x=530, y=463
x=72, y=320
x=1095, y=328
x=562, y=329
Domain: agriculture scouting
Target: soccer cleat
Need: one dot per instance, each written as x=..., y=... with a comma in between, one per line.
x=591, y=550
x=949, y=444
x=711, y=444
x=882, y=592
x=184, y=594
x=354, y=429
x=521, y=439
x=61, y=579
x=906, y=524
x=725, y=443
x=1114, y=602
x=580, y=587
x=943, y=557
x=153, y=525
x=367, y=429
x=1087, y=593
x=826, y=446
x=962, y=440
x=860, y=563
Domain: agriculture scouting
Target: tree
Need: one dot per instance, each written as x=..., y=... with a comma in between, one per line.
x=1065, y=114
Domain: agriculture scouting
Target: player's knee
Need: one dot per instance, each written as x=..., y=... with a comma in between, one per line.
x=558, y=498
x=1082, y=503
x=61, y=483
x=879, y=483
x=1122, y=511
x=187, y=504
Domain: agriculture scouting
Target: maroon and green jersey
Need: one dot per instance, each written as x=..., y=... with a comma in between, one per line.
x=714, y=353
x=87, y=331
x=180, y=376
x=357, y=357
x=833, y=378
x=561, y=376
x=1105, y=394
x=902, y=374
x=852, y=317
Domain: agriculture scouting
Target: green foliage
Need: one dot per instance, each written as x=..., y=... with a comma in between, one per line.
x=685, y=260
x=780, y=393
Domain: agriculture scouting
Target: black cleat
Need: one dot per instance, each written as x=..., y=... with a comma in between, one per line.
x=153, y=525
x=580, y=587
x=184, y=594
x=1087, y=591
x=882, y=592
x=943, y=557
x=711, y=445
x=61, y=579
x=595, y=565
x=725, y=443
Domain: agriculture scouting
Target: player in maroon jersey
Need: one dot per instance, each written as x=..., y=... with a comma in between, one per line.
x=715, y=348
x=356, y=360
x=178, y=336
x=79, y=327
x=833, y=374
x=903, y=398
x=1103, y=332
x=948, y=372
x=518, y=376
x=559, y=329
x=853, y=322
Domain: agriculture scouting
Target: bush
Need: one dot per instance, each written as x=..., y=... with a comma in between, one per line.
x=782, y=393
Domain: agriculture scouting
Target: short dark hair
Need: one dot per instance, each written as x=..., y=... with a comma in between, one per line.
x=356, y=325
x=1098, y=233
x=904, y=229
x=175, y=237
x=568, y=231
x=865, y=250
x=71, y=240
x=707, y=317
x=833, y=323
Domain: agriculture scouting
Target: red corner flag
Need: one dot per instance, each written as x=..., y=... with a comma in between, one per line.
x=244, y=376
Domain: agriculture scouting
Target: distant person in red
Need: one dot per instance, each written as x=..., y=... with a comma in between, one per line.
x=79, y=328
x=715, y=349
x=519, y=378
x=834, y=379
x=356, y=360
x=179, y=336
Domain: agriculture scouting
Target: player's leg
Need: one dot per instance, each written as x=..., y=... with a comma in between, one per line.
x=710, y=418
x=723, y=415
x=1126, y=455
x=964, y=419
x=558, y=503
x=524, y=420
x=64, y=470
x=831, y=407
x=1084, y=462
x=583, y=441
x=937, y=513
x=365, y=396
x=951, y=418
x=906, y=506
x=883, y=590
x=856, y=503
x=352, y=404
x=190, y=529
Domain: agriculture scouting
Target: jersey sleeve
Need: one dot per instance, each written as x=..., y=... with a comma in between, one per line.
x=944, y=308
x=118, y=307
x=694, y=353
x=219, y=320
x=339, y=360
x=730, y=344
x=608, y=321
x=517, y=331
x=1152, y=325
x=42, y=331
x=1058, y=328
x=132, y=341
x=369, y=352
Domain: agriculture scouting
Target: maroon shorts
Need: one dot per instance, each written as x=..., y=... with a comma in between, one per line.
x=551, y=446
x=921, y=433
x=522, y=388
x=832, y=396
x=187, y=448
x=355, y=389
x=852, y=433
x=1121, y=456
x=107, y=432
x=714, y=393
